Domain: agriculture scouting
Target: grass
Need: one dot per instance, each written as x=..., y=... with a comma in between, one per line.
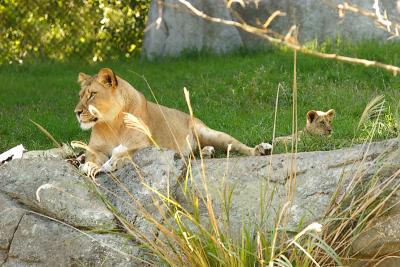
x=235, y=93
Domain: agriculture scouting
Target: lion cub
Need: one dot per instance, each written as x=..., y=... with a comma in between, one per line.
x=318, y=123
x=105, y=100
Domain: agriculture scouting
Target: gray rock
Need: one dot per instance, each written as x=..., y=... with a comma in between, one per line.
x=250, y=182
x=41, y=242
x=258, y=185
x=317, y=19
x=63, y=193
x=180, y=31
x=63, y=152
x=126, y=190
x=382, y=238
x=10, y=216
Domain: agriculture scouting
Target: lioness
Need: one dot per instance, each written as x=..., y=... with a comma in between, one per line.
x=318, y=123
x=111, y=96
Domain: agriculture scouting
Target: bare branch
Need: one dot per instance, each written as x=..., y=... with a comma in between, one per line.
x=272, y=17
x=288, y=42
x=381, y=19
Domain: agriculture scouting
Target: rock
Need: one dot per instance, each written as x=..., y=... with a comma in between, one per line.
x=126, y=191
x=30, y=239
x=382, y=238
x=63, y=193
x=41, y=242
x=27, y=239
x=10, y=217
x=63, y=152
x=180, y=31
x=252, y=182
x=317, y=19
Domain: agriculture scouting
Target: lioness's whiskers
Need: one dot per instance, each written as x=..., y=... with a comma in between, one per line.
x=94, y=111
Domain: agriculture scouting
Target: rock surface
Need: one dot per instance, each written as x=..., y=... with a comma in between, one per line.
x=383, y=238
x=158, y=170
x=252, y=181
x=63, y=152
x=29, y=238
x=10, y=216
x=180, y=31
x=41, y=242
x=54, y=188
x=62, y=192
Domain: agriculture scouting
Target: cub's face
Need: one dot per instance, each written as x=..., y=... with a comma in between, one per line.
x=100, y=99
x=319, y=122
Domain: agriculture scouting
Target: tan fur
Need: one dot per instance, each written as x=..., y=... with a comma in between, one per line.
x=318, y=123
x=170, y=128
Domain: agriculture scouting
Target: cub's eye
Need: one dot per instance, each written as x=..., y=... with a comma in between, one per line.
x=322, y=122
x=92, y=94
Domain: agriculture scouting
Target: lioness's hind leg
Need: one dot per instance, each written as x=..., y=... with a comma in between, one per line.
x=210, y=137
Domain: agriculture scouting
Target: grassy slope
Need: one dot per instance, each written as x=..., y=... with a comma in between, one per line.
x=235, y=94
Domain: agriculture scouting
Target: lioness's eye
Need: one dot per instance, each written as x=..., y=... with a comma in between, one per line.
x=91, y=95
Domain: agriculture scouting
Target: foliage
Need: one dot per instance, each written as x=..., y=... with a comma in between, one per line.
x=385, y=126
x=94, y=29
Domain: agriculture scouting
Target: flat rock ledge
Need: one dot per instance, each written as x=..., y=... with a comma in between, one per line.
x=51, y=215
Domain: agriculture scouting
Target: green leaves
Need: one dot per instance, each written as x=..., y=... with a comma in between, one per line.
x=94, y=29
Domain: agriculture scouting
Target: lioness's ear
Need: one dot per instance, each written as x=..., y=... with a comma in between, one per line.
x=330, y=114
x=82, y=77
x=107, y=76
x=311, y=116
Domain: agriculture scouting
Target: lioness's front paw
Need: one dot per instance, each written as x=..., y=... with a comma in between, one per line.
x=208, y=152
x=90, y=169
x=109, y=166
x=263, y=149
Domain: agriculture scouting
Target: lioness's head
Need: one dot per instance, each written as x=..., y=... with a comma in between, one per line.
x=319, y=122
x=100, y=99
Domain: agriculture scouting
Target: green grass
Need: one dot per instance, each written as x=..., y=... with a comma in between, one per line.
x=235, y=93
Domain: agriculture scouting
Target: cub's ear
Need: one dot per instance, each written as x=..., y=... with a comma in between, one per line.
x=330, y=114
x=82, y=77
x=311, y=116
x=107, y=77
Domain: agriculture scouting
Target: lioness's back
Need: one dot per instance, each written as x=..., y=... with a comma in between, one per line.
x=169, y=125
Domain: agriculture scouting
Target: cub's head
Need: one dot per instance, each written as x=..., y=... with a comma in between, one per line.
x=100, y=98
x=319, y=122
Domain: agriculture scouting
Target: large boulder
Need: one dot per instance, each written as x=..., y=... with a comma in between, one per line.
x=179, y=30
x=41, y=242
x=48, y=227
x=317, y=20
x=47, y=206
x=258, y=186
x=55, y=188
x=10, y=217
x=30, y=239
x=132, y=190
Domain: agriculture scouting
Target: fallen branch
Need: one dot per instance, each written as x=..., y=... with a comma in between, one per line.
x=289, y=42
x=381, y=19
